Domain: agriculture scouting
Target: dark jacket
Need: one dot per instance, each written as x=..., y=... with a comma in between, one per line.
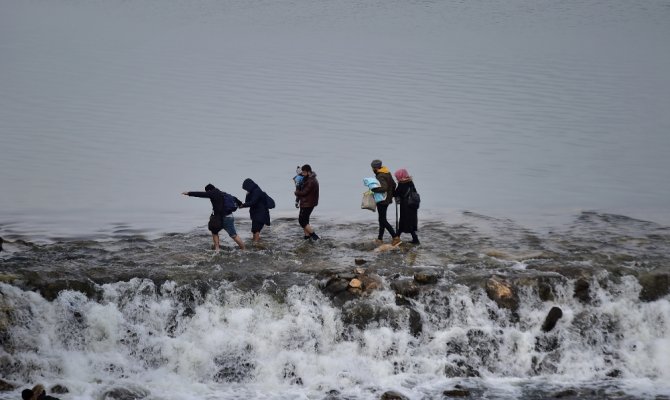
x=256, y=200
x=408, y=221
x=387, y=185
x=309, y=193
x=216, y=197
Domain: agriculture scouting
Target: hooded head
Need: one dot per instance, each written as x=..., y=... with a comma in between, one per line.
x=402, y=175
x=249, y=185
x=376, y=164
x=209, y=187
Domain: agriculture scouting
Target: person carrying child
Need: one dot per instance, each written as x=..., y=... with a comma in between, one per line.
x=308, y=196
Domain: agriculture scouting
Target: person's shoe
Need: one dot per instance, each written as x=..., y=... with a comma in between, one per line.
x=314, y=236
x=415, y=241
x=379, y=242
x=396, y=241
x=306, y=237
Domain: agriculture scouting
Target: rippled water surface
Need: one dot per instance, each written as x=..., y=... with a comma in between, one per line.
x=521, y=109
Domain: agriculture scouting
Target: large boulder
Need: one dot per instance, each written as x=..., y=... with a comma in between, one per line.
x=503, y=293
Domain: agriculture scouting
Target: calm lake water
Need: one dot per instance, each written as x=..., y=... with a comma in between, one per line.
x=523, y=109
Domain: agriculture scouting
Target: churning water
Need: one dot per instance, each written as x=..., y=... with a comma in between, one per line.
x=537, y=133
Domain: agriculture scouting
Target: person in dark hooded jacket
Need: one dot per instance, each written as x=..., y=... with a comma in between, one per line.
x=257, y=202
x=220, y=214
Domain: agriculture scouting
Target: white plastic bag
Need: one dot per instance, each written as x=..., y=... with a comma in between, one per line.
x=368, y=202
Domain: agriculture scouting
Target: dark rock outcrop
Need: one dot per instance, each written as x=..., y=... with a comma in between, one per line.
x=582, y=288
x=655, y=285
x=550, y=322
x=405, y=288
x=391, y=395
x=426, y=277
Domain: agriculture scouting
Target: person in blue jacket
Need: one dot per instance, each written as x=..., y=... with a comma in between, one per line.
x=259, y=213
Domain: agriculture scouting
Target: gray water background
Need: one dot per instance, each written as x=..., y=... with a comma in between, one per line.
x=528, y=110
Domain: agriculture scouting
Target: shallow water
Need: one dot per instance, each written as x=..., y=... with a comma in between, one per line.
x=166, y=317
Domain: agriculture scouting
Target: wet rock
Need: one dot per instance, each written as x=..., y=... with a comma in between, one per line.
x=550, y=322
x=582, y=287
x=460, y=369
x=347, y=275
x=402, y=300
x=50, y=290
x=405, y=287
x=359, y=271
x=360, y=261
x=235, y=368
x=332, y=395
x=291, y=375
x=59, y=389
x=362, y=313
x=336, y=286
x=546, y=343
x=371, y=282
x=655, y=285
x=615, y=373
x=425, y=277
x=356, y=283
x=545, y=291
x=456, y=393
x=6, y=386
x=566, y=393
x=133, y=393
x=344, y=297
x=502, y=293
x=392, y=395
x=415, y=323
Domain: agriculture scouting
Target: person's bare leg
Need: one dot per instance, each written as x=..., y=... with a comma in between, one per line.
x=215, y=239
x=257, y=237
x=239, y=241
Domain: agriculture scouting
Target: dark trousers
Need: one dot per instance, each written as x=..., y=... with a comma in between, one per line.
x=383, y=223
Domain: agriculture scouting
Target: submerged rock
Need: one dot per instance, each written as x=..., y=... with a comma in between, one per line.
x=456, y=393
x=6, y=386
x=59, y=389
x=426, y=278
x=133, y=393
x=392, y=395
x=582, y=288
x=655, y=285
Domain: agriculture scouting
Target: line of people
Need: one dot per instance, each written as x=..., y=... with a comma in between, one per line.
x=307, y=198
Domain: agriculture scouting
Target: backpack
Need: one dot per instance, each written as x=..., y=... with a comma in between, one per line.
x=269, y=202
x=229, y=205
x=413, y=199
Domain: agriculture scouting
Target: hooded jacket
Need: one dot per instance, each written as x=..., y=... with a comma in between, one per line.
x=216, y=197
x=256, y=200
x=387, y=185
x=309, y=193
